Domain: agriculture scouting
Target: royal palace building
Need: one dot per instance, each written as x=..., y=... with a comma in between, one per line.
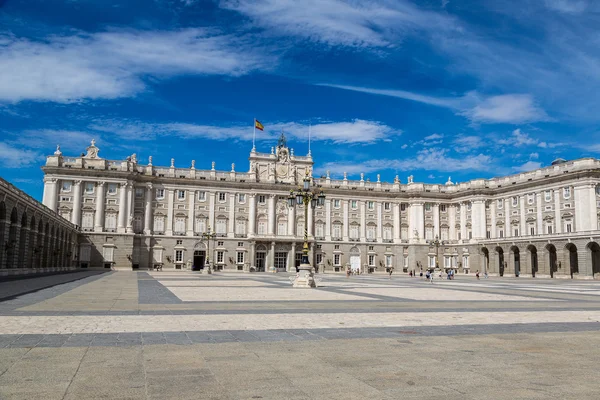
x=132, y=215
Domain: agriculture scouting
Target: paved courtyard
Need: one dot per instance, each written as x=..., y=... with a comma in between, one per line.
x=182, y=335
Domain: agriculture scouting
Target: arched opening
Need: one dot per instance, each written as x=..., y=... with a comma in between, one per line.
x=573, y=259
x=45, y=249
x=2, y=233
x=516, y=260
x=261, y=258
x=22, y=242
x=39, y=246
x=594, y=249
x=12, y=247
x=31, y=245
x=355, y=259
x=552, y=259
x=533, y=259
x=501, y=262
x=486, y=259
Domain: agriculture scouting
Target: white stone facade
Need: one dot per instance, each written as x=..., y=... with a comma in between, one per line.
x=543, y=222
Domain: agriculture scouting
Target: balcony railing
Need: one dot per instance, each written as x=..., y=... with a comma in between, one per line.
x=240, y=235
x=371, y=240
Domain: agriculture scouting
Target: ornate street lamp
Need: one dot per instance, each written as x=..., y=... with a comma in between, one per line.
x=208, y=235
x=437, y=243
x=306, y=196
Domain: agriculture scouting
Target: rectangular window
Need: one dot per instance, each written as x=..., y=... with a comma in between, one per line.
x=371, y=260
x=465, y=261
x=160, y=194
x=488, y=234
x=280, y=260
x=139, y=192
x=221, y=226
x=530, y=198
x=179, y=242
x=201, y=196
x=370, y=232
x=500, y=204
x=319, y=258
x=568, y=227
x=501, y=233
x=181, y=194
x=220, y=256
x=319, y=231
x=221, y=196
x=220, y=244
x=427, y=206
x=262, y=199
x=178, y=256
x=112, y=188
x=386, y=206
x=241, y=198
x=515, y=201
x=240, y=257
x=87, y=221
x=353, y=231
x=281, y=228
x=159, y=224
x=240, y=244
x=470, y=235
x=179, y=225
x=337, y=231
x=240, y=227
x=403, y=207
x=336, y=203
x=89, y=188
x=549, y=229
x=567, y=192
x=66, y=186
x=469, y=206
x=531, y=230
x=110, y=222
x=516, y=232
x=200, y=225
x=370, y=205
x=442, y=207
x=262, y=227
x=387, y=233
x=388, y=261
x=108, y=253
x=548, y=195
x=354, y=204
x=337, y=259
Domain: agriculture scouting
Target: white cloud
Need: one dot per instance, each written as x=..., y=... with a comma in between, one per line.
x=528, y=166
x=534, y=156
x=429, y=159
x=433, y=137
x=567, y=6
x=520, y=139
x=112, y=64
x=370, y=23
x=509, y=108
x=352, y=132
x=464, y=143
x=14, y=157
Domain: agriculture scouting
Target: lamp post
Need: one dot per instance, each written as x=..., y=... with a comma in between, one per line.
x=436, y=242
x=306, y=196
x=208, y=235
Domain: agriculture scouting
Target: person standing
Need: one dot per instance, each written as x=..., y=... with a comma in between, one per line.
x=391, y=269
x=477, y=274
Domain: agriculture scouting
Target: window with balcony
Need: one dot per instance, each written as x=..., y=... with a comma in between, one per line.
x=371, y=260
x=337, y=259
x=240, y=257
x=320, y=230
x=179, y=226
x=178, y=256
x=220, y=257
x=110, y=222
x=87, y=221
x=337, y=231
x=159, y=224
x=221, y=226
x=240, y=227
x=200, y=225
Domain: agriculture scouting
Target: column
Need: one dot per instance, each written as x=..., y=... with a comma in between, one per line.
x=292, y=267
x=493, y=219
x=169, y=227
x=148, y=211
x=50, y=193
x=452, y=221
x=191, y=212
x=463, y=222
x=130, y=206
x=252, y=255
x=539, y=216
x=252, y=218
x=436, y=220
x=271, y=257
x=586, y=218
x=346, y=227
x=99, y=220
x=271, y=215
x=311, y=212
x=211, y=211
x=396, y=217
x=327, y=219
x=557, y=219
x=478, y=220
x=76, y=215
x=363, y=221
x=522, y=216
x=417, y=221
x=507, y=228
x=122, y=208
x=292, y=220
x=379, y=222
x=231, y=228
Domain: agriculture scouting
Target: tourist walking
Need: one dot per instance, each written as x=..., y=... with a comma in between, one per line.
x=391, y=269
x=477, y=274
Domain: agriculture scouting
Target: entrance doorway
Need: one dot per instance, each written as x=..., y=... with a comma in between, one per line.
x=199, y=260
x=297, y=261
x=534, y=259
x=261, y=256
x=355, y=264
x=573, y=259
x=486, y=259
x=517, y=260
x=594, y=249
x=552, y=261
x=500, y=260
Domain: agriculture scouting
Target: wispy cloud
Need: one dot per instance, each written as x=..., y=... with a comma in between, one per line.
x=16, y=157
x=521, y=139
x=370, y=23
x=113, y=64
x=431, y=159
x=567, y=6
x=509, y=108
x=528, y=166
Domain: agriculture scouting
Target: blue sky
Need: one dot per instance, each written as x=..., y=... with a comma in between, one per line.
x=432, y=88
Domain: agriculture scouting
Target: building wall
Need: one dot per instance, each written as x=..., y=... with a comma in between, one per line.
x=33, y=239
x=141, y=216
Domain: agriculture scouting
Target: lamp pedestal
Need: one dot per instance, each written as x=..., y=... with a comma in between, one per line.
x=207, y=270
x=305, y=277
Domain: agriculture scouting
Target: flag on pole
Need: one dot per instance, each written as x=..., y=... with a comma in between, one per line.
x=258, y=125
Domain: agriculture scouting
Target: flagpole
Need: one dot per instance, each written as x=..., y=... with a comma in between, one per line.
x=254, y=136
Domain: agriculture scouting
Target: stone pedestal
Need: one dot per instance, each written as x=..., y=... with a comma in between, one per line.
x=305, y=278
